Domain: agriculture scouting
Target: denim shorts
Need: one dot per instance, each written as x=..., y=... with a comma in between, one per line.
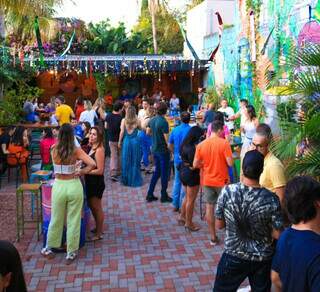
x=232, y=271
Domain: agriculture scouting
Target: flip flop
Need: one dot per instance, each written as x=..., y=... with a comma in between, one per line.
x=94, y=238
x=181, y=222
x=94, y=230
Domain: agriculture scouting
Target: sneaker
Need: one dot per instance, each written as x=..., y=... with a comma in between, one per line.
x=166, y=199
x=71, y=256
x=48, y=253
x=151, y=198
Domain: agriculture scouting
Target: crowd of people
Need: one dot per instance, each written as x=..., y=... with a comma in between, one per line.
x=254, y=212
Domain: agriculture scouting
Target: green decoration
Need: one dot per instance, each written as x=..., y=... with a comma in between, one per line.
x=317, y=11
x=38, y=36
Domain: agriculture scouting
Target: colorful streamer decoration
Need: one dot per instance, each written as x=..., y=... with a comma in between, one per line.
x=317, y=11
x=38, y=36
x=193, y=52
x=264, y=48
x=220, y=28
x=253, y=38
x=69, y=44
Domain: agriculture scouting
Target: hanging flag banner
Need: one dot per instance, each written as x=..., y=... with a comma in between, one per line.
x=317, y=11
x=38, y=36
x=69, y=44
x=220, y=29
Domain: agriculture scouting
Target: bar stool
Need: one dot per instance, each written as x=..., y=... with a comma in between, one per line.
x=34, y=190
x=40, y=175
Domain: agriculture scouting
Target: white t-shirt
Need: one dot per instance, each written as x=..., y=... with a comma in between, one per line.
x=174, y=103
x=229, y=112
x=242, y=116
x=88, y=116
x=142, y=114
x=53, y=120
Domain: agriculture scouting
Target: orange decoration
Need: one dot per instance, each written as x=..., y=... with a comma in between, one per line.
x=108, y=99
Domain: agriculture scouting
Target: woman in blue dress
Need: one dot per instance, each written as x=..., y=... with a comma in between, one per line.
x=130, y=145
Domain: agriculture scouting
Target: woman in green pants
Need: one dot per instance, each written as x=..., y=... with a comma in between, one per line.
x=67, y=193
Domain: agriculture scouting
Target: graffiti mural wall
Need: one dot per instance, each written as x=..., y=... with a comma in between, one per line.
x=259, y=41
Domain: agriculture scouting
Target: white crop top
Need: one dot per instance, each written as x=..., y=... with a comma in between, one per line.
x=64, y=169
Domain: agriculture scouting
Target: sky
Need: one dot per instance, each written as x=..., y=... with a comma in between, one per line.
x=116, y=10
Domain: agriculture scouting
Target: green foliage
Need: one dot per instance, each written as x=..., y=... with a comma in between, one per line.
x=287, y=110
x=19, y=15
x=306, y=84
x=212, y=96
x=12, y=103
x=258, y=103
x=101, y=84
x=169, y=37
x=193, y=3
x=106, y=39
x=253, y=5
x=227, y=92
x=13, y=75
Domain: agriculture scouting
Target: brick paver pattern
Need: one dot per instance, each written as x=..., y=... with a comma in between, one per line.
x=143, y=248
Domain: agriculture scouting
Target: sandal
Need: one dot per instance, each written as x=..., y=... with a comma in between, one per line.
x=94, y=238
x=48, y=253
x=94, y=230
x=181, y=222
x=70, y=258
x=191, y=228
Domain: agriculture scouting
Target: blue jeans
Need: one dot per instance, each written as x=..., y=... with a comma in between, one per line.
x=146, y=142
x=162, y=162
x=232, y=271
x=177, y=190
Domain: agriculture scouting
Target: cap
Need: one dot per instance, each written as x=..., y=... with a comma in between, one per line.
x=252, y=164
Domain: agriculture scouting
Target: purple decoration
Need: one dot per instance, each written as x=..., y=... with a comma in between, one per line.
x=310, y=33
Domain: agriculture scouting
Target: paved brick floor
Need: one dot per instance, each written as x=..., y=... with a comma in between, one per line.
x=143, y=249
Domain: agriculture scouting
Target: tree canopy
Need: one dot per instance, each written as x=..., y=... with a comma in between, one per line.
x=169, y=37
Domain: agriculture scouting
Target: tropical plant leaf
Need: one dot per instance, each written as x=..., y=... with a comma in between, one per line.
x=307, y=165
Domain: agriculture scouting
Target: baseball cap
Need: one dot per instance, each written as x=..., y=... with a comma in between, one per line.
x=252, y=164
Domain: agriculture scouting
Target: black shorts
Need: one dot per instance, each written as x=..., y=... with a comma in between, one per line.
x=189, y=177
x=94, y=186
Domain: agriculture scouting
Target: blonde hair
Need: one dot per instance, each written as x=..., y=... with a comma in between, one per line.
x=131, y=119
x=87, y=105
x=99, y=103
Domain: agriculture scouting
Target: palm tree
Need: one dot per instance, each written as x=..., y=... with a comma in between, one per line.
x=305, y=63
x=153, y=8
x=21, y=10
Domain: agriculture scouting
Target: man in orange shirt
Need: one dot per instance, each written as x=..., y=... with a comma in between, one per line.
x=213, y=156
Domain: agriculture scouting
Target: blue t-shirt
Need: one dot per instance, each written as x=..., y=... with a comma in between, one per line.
x=208, y=117
x=297, y=261
x=176, y=138
x=124, y=97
